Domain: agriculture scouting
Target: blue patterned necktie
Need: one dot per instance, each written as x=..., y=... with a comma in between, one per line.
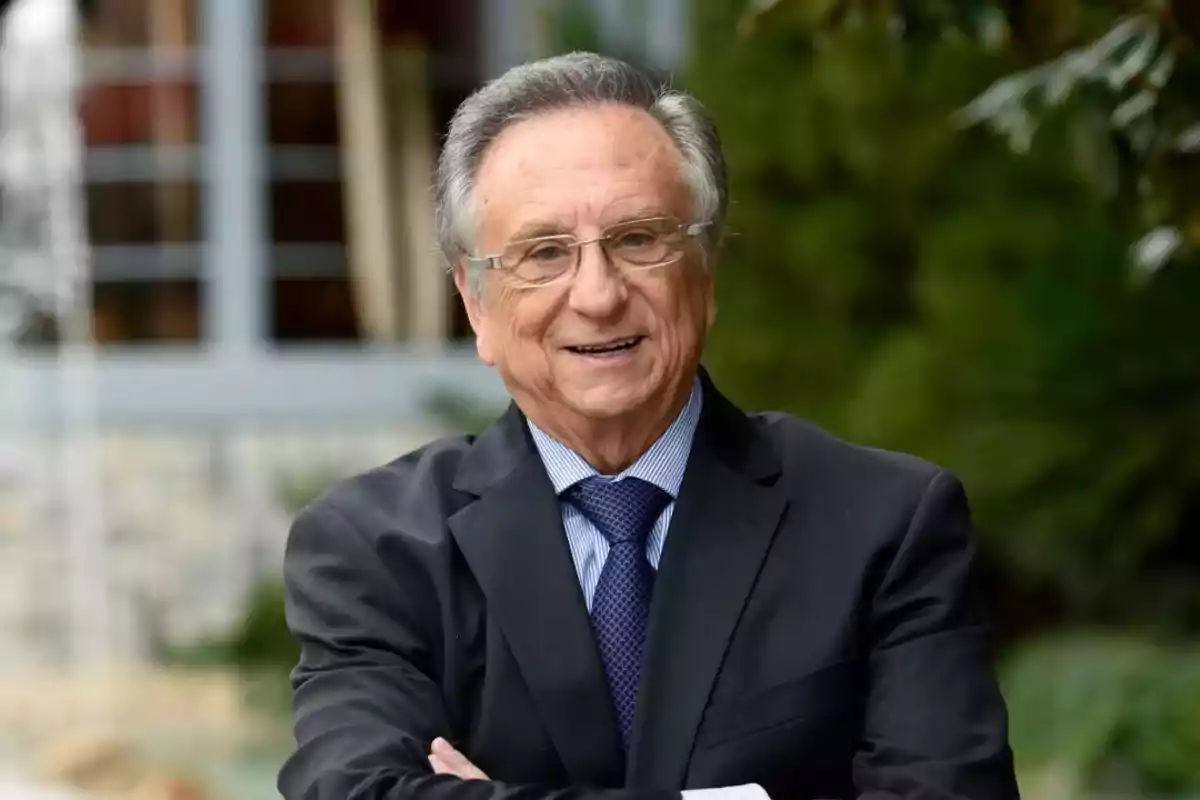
x=624, y=512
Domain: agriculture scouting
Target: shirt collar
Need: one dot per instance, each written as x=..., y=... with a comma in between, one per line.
x=662, y=465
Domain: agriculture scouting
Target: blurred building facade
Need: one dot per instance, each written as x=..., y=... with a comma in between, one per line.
x=268, y=307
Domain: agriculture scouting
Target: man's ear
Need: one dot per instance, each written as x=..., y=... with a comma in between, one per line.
x=711, y=289
x=466, y=291
x=476, y=314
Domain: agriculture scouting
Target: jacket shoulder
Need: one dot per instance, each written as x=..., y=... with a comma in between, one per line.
x=413, y=493
x=817, y=458
x=864, y=501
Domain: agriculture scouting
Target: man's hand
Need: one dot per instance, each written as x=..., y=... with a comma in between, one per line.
x=445, y=760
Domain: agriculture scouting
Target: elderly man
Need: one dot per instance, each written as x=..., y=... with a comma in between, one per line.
x=627, y=587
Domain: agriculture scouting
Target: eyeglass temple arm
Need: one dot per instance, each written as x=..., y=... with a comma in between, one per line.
x=485, y=262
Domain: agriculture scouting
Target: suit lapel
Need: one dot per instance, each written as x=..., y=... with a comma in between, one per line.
x=724, y=521
x=513, y=540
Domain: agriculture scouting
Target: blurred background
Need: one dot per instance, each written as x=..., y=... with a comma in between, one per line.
x=963, y=228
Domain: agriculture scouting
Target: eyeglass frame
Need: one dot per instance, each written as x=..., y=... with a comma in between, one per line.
x=689, y=230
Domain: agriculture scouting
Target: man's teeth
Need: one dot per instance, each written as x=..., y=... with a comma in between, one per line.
x=606, y=348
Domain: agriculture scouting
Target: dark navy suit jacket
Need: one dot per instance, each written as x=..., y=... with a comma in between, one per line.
x=813, y=630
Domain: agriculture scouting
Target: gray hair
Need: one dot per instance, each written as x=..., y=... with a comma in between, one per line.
x=567, y=81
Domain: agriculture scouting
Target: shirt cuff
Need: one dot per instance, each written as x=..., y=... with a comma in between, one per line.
x=750, y=791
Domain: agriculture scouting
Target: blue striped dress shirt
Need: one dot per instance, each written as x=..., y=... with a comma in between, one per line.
x=663, y=465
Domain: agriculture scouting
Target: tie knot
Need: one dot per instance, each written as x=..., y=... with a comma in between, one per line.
x=624, y=510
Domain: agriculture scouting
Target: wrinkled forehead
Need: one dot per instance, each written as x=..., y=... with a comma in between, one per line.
x=578, y=170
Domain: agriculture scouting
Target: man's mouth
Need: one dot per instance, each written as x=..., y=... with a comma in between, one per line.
x=608, y=348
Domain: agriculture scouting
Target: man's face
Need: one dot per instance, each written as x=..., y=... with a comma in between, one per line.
x=579, y=172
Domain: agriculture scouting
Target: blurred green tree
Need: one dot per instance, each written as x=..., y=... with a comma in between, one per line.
x=897, y=273
x=1105, y=714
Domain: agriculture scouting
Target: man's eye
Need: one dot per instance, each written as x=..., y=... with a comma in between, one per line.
x=637, y=239
x=547, y=252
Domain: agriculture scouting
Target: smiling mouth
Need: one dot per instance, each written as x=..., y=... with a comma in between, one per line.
x=607, y=348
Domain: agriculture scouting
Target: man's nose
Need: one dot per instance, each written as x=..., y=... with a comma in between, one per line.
x=598, y=288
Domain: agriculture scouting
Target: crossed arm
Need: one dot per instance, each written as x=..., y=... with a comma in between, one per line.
x=445, y=760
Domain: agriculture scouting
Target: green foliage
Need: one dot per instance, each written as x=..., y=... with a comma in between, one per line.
x=1137, y=78
x=1118, y=715
x=917, y=285
x=918, y=19
x=260, y=640
x=297, y=491
x=263, y=639
x=572, y=26
x=260, y=648
x=263, y=648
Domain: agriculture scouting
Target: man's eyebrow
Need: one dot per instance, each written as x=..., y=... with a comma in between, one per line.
x=647, y=212
x=535, y=229
x=538, y=228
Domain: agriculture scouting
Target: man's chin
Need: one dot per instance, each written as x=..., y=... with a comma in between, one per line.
x=607, y=402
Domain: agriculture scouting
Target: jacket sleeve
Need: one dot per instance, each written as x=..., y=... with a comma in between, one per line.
x=366, y=705
x=936, y=725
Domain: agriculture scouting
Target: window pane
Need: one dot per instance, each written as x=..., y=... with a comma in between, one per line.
x=460, y=324
x=164, y=312
x=139, y=23
x=299, y=23
x=167, y=311
x=307, y=211
x=165, y=113
x=313, y=310
x=302, y=113
x=143, y=213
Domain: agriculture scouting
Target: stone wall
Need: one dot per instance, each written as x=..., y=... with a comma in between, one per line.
x=192, y=520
